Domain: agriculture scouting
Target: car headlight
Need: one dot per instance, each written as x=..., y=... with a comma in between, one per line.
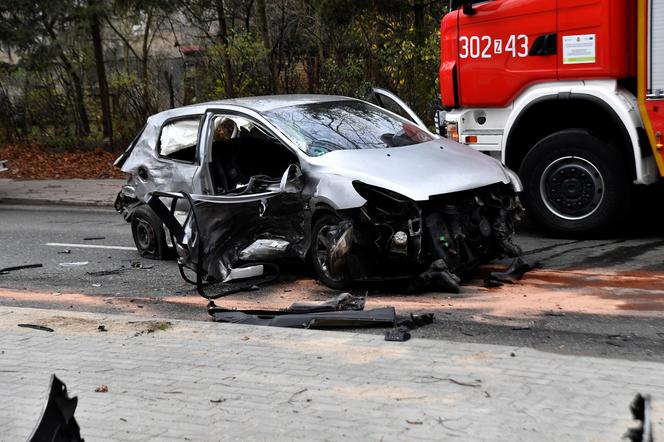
x=514, y=179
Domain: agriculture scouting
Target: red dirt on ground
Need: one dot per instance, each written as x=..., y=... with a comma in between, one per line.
x=539, y=293
x=30, y=162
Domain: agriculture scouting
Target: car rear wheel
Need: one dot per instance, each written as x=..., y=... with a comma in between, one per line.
x=321, y=241
x=575, y=184
x=149, y=235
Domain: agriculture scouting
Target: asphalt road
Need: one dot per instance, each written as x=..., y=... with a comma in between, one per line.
x=602, y=297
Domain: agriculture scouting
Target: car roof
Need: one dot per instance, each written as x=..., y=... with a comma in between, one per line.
x=258, y=104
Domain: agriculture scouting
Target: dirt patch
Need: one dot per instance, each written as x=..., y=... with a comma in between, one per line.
x=82, y=325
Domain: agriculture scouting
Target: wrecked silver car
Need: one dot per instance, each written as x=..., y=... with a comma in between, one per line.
x=363, y=193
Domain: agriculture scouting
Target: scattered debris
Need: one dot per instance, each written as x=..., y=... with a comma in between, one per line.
x=514, y=273
x=106, y=272
x=290, y=400
x=433, y=379
x=94, y=238
x=414, y=422
x=36, y=327
x=64, y=252
x=57, y=422
x=217, y=401
x=333, y=319
x=102, y=389
x=641, y=410
x=74, y=264
x=140, y=265
x=102, y=328
x=397, y=335
x=21, y=267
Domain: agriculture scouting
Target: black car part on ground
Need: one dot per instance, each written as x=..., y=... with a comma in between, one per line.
x=21, y=267
x=514, y=273
x=641, y=410
x=344, y=311
x=335, y=319
x=57, y=422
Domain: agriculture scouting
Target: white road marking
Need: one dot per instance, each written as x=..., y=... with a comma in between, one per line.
x=89, y=246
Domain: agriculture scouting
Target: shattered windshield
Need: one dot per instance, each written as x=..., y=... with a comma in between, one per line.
x=320, y=128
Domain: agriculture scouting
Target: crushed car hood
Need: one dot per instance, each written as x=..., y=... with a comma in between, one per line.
x=419, y=171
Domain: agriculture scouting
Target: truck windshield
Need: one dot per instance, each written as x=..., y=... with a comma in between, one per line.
x=320, y=128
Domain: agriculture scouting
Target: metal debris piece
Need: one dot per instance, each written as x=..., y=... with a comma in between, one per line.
x=102, y=328
x=514, y=273
x=334, y=319
x=641, y=409
x=140, y=265
x=64, y=252
x=22, y=267
x=106, y=272
x=57, y=422
x=397, y=335
x=344, y=301
x=36, y=327
x=74, y=264
x=94, y=238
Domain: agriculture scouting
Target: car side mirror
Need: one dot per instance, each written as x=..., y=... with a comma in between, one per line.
x=291, y=180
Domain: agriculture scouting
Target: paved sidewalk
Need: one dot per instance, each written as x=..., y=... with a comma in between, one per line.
x=207, y=381
x=73, y=192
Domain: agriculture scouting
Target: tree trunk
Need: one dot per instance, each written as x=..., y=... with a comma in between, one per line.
x=145, y=52
x=95, y=30
x=223, y=39
x=83, y=128
x=267, y=43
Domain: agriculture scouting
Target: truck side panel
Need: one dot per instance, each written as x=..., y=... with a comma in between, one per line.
x=494, y=48
x=596, y=39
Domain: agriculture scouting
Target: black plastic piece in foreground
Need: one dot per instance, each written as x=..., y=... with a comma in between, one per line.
x=57, y=423
x=336, y=319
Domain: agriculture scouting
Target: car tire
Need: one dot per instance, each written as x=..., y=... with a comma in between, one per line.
x=318, y=250
x=149, y=234
x=575, y=184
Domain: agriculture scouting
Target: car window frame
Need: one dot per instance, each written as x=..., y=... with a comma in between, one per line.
x=201, y=120
x=255, y=118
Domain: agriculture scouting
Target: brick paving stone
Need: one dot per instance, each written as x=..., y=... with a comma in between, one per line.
x=283, y=384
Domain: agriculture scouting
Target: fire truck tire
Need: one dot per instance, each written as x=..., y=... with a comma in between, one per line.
x=575, y=184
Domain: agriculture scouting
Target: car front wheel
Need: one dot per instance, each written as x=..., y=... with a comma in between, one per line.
x=322, y=235
x=575, y=184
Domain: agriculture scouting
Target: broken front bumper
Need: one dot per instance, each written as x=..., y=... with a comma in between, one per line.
x=437, y=241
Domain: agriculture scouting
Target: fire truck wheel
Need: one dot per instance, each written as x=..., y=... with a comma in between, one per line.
x=575, y=184
x=149, y=235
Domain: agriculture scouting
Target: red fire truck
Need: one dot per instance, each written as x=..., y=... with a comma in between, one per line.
x=568, y=93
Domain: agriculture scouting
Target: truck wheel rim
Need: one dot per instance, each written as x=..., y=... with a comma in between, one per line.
x=572, y=188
